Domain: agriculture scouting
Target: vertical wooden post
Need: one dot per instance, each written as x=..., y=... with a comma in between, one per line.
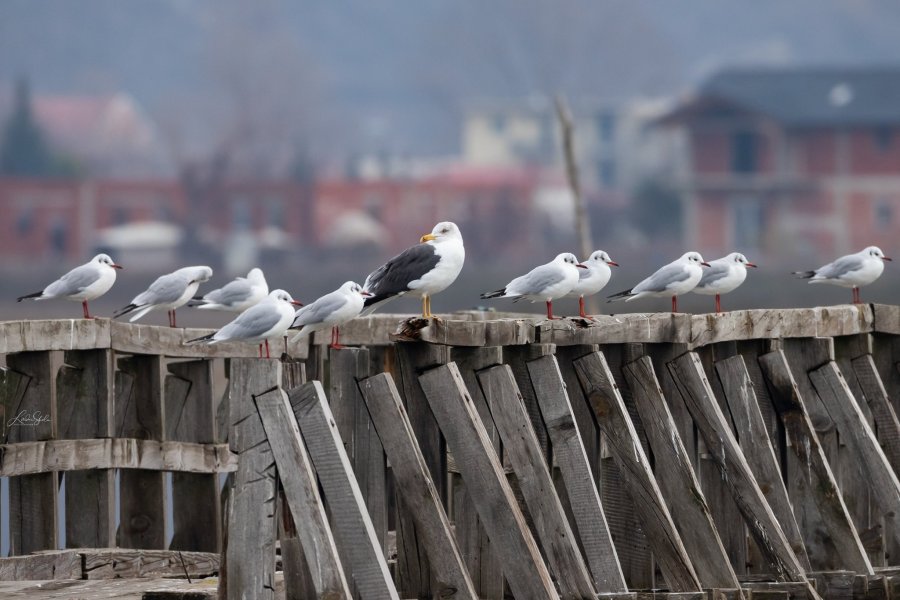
x=493, y=498
x=593, y=531
x=517, y=358
x=603, y=394
x=190, y=418
x=139, y=414
x=345, y=368
x=362, y=555
x=33, y=499
x=85, y=397
x=250, y=548
x=677, y=480
x=588, y=429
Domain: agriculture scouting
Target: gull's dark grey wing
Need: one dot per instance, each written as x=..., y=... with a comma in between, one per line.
x=74, y=281
x=394, y=276
x=165, y=289
x=662, y=279
x=841, y=267
x=252, y=323
x=536, y=280
x=319, y=310
x=715, y=272
x=233, y=292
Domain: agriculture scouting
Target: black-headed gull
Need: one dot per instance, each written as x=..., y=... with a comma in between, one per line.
x=235, y=296
x=723, y=275
x=852, y=271
x=546, y=282
x=169, y=292
x=422, y=270
x=593, y=279
x=331, y=310
x=268, y=318
x=86, y=282
x=678, y=277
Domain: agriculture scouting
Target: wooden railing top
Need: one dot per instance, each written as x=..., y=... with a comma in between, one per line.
x=470, y=328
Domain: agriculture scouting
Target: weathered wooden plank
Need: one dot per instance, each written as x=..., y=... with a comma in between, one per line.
x=517, y=358
x=717, y=434
x=33, y=499
x=28, y=458
x=412, y=358
x=490, y=492
x=677, y=481
x=603, y=394
x=65, y=564
x=84, y=399
x=831, y=539
x=588, y=429
x=860, y=440
x=593, y=531
x=302, y=494
x=357, y=542
x=757, y=448
x=123, y=563
x=55, y=334
x=474, y=543
x=497, y=332
x=415, y=485
x=645, y=328
x=250, y=513
x=521, y=446
x=886, y=421
x=346, y=367
x=190, y=417
x=886, y=318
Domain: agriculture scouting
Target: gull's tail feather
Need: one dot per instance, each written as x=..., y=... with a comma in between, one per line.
x=124, y=310
x=35, y=295
x=805, y=274
x=205, y=338
x=196, y=301
x=141, y=311
x=623, y=295
x=373, y=303
x=494, y=294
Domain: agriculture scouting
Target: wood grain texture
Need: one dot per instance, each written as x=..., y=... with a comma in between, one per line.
x=581, y=487
x=623, y=442
x=521, y=446
x=875, y=394
x=491, y=494
x=677, y=481
x=415, y=485
x=358, y=544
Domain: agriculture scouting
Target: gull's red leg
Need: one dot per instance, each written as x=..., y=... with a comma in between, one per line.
x=260, y=351
x=718, y=304
x=174, y=320
x=267, y=350
x=674, y=304
x=581, y=307
x=336, y=337
x=84, y=306
x=550, y=309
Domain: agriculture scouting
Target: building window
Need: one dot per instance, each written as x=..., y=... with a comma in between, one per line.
x=275, y=214
x=884, y=138
x=883, y=214
x=743, y=152
x=748, y=223
x=606, y=127
x=240, y=215
x=606, y=173
x=58, y=235
x=25, y=222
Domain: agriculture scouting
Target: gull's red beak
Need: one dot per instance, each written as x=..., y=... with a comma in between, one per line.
x=886, y=258
x=612, y=263
x=750, y=264
x=115, y=266
x=581, y=266
x=705, y=264
x=296, y=303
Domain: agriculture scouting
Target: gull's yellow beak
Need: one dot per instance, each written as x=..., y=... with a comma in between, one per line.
x=427, y=238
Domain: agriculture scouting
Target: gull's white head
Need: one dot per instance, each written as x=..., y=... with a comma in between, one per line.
x=568, y=258
x=693, y=258
x=197, y=274
x=600, y=257
x=104, y=259
x=875, y=252
x=445, y=230
x=256, y=275
x=351, y=287
x=740, y=259
x=283, y=296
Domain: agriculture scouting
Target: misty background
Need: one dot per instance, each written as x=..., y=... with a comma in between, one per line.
x=223, y=107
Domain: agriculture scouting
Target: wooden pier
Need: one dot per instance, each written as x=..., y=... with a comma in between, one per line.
x=747, y=456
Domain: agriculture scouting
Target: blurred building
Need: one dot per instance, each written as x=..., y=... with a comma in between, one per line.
x=803, y=161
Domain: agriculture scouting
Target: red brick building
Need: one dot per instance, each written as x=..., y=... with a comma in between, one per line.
x=793, y=161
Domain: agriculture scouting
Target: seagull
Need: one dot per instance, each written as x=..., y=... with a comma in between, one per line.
x=593, y=279
x=676, y=278
x=421, y=270
x=235, y=296
x=270, y=317
x=546, y=282
x=169, y=292
x=331, y=310
x=723, y=275
x=87, y=282
x=852, y=271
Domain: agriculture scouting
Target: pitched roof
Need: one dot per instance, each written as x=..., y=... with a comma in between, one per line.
x=812, y=96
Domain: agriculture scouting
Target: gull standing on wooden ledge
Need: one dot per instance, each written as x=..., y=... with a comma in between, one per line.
x=723, y=275
x=169, y=292
x=546, y=282
x=235, y=296
x=594, y=279
x=852, y=271
x=331, y=310
x=86, y=282
x=676, y=278
x=422, y=270
x=269, y=318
